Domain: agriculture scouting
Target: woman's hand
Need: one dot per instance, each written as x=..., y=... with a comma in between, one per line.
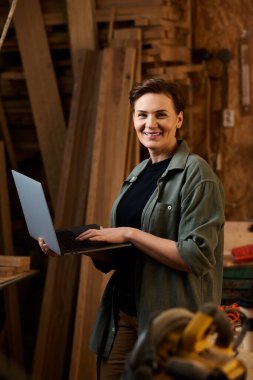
x=163, y=250
x=44, y=247
x=109, y=235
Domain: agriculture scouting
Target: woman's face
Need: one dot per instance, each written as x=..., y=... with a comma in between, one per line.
x=156, y=122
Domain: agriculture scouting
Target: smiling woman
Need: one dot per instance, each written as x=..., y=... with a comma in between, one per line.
x=171, y=209
x=156, y=123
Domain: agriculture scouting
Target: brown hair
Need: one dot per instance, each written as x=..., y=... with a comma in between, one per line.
x=158, y=86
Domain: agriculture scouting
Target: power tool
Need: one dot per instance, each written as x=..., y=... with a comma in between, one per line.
x=181, y=345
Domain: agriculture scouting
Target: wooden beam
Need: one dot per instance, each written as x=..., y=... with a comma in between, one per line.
x=54, y=335
x=14, y=336
x=7, y=137
x=130, y=37
x=73, y=189
x=108, y=169
x=59, y=301
x=118, y=73
x=42, y=88
x=82, y=28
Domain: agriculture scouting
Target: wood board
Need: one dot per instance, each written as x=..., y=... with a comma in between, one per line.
x=63, y=273
x=82, y=29
x=42, y=87
x=108, y=170
x=12, y=323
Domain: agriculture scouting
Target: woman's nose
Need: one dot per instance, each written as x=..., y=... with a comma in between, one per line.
x=151, y=121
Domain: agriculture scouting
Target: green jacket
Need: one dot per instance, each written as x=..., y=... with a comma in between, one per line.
x=187, y=207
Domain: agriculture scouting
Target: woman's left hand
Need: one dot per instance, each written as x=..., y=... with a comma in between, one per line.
x=109, y=235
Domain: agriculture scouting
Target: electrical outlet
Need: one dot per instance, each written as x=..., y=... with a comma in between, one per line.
x=228, y=118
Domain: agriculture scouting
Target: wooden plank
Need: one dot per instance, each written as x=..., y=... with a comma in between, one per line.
x=7, y=248
x=82, y=28
x=12, y=75
x=15, y=261
x=54, y=335
x=42, y=87
x=130, y=37
x=13, y=324
x=118, y=73
x=7, y=138
x=7, y=271
x=117, y=79
x=175, y=70
x=142, y=22
x=130, y=13
x=12, y=280
x=162, y=52
x=135, y=11
x=72, y=196
x=91, y=285
x=62, y=280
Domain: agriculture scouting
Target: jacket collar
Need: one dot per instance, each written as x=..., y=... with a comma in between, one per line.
x=178, y=161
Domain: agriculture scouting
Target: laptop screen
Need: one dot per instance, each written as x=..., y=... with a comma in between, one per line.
x=35, y=209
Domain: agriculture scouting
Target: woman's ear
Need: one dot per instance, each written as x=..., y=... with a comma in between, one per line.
x=180, y=119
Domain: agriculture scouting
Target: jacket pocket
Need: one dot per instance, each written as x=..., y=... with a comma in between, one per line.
x=164, y=220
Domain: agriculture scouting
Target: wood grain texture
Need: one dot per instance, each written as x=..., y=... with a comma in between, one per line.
x=42, y=87
x=82, y=29
x=107, y=173
x=55, y=331
x=63, y=274
x=12, y=323
x=74, y=179
x=111, y=135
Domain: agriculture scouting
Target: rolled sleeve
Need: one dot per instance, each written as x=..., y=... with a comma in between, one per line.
x=201, y=227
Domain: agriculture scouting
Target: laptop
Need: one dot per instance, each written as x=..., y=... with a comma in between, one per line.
x=39, y=223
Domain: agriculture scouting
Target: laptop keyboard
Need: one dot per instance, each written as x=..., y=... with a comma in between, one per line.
x=67, y=242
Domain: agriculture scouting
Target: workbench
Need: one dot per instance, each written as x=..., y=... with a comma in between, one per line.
x=237, y=277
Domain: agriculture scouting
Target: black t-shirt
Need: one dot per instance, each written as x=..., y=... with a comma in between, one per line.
x=129, y=213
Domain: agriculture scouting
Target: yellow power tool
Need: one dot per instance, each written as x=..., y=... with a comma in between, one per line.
x=180, y=345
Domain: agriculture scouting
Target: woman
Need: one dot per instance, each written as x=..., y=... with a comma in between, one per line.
x=171, y=208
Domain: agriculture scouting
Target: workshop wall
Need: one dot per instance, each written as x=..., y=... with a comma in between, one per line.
x=218, y=27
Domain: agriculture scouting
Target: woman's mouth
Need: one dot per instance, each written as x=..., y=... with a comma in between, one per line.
x=152, y=135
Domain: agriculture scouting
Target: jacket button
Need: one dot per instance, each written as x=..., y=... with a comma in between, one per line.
x=169, y=207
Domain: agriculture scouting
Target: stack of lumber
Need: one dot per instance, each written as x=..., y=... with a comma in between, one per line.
x=161, y=30
x=99, y=150
x=13, y=265
x=165, y=26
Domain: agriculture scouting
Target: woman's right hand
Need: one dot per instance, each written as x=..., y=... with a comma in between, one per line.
x=44, y=247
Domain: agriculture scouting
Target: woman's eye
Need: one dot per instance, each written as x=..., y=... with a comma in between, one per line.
x=161, y=115
x=142, y=115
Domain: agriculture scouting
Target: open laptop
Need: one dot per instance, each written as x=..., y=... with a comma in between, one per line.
x=39, y=223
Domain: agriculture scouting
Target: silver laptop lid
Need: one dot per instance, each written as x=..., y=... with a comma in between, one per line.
x=34, y=205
